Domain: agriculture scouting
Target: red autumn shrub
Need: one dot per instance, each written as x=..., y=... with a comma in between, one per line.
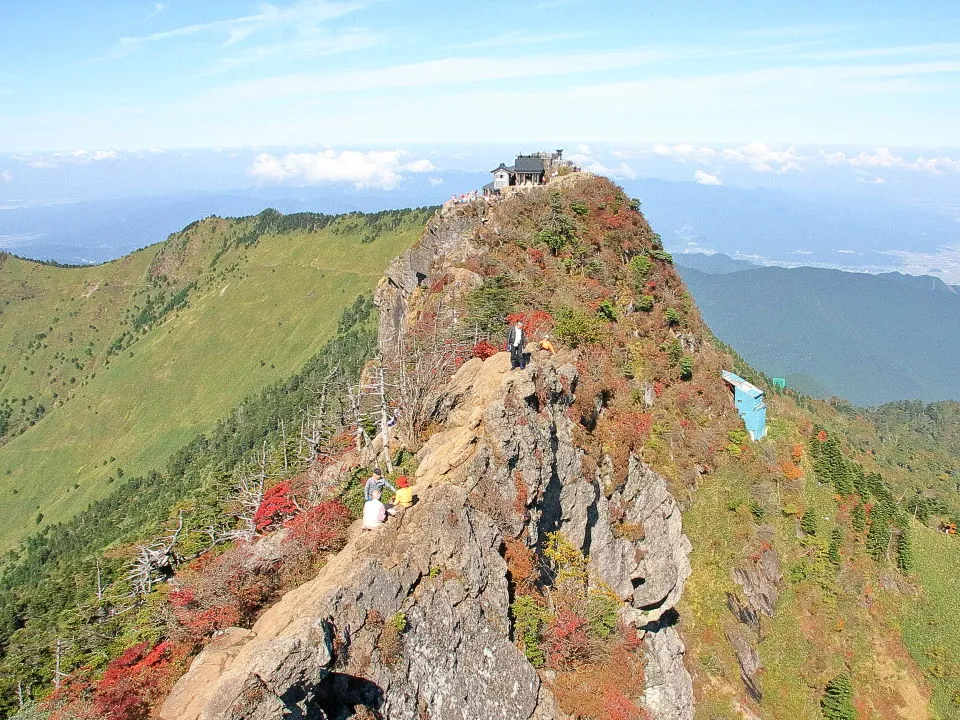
x=567, y=640
x=618, y=706
x=276, y=506
x=484, y=350
x=322, y=527
x=133, y=682
x=534, y=322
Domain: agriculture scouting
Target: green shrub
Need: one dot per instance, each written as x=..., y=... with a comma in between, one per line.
x=673, y=317
x=808, y=523
x=602, y=608
x=798, y=572
x=489, y=305
x=645, y=303
x=661, y=255
x=607, y=310
x=552, y=239
x=528, y=621
x=579, y=207
x=836, y=541
x=686, y=368
x=640, y=266
x=837, y=700
x=399, y=622
x=574, y=327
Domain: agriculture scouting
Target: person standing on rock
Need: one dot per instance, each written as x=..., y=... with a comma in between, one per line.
x=375, y=482
x=516, y=339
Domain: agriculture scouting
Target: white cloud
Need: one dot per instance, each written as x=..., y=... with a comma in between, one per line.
x=883, y=157
x=760, y=156
x=847, y=252
x=420, y=166
x=705, y=178
x=157, y=9
x=756, y=155
x=93, y=156
x=6, y=176
x=375, y=169
x=435, y=180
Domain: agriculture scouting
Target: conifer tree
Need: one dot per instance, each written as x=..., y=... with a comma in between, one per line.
x=878, y=537
x=837, y=700
x=860, y=483
x=844, y=478
x=858, y=518
x=905, y=558
x=836, y=542
x=808, y=523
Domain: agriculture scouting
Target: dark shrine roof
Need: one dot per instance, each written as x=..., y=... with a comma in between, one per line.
x=528, y=164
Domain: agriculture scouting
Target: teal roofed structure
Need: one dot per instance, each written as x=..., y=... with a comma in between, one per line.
x=748, y=399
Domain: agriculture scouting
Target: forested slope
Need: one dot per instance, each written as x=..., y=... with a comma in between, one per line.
x=107, y=370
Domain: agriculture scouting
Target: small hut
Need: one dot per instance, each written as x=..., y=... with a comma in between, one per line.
x=748, y=400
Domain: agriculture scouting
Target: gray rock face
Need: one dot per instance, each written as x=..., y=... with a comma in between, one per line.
x=760, y=580
x=523, y=452
x=669, y=692
x=447, y=240
x=411, y=620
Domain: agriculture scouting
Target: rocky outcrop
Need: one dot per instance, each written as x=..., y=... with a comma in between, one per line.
x=508, y=439
x=759, y=581
x=410, y=620
x=447, y=241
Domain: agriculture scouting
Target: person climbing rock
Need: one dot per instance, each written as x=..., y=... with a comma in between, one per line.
x=545, y=344
x=516, y=339
x=375, y=482
x=374, y=511
x=404, y=495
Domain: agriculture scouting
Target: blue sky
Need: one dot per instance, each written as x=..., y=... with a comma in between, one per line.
x=129, y=75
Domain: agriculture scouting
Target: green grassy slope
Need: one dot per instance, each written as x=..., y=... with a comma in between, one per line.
x=931, y=627
x=245, y=324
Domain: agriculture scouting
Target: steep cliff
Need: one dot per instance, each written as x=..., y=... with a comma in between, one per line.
x=413, y=619
x=545, y=571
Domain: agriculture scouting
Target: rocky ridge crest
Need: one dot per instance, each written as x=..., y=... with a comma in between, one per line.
x=413, y=619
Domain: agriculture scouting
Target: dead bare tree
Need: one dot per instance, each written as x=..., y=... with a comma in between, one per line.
x=58, y=674
x=154, y=562
x=426, y=356
x=248, y=495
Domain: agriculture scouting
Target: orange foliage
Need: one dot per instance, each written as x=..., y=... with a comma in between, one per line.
x=520, y=565
x=797, y=452
x=599, y=689
x=791, y=471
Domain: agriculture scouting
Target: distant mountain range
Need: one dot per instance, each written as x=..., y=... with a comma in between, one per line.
x=867, y=338
x=789, y=228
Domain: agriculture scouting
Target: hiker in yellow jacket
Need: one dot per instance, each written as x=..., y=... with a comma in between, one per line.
x=404, y=495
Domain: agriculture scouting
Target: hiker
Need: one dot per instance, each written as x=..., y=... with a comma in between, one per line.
x=404, y=495
x=545, y=344
x=374, y=512
x=375, y=482
x=516, y=339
